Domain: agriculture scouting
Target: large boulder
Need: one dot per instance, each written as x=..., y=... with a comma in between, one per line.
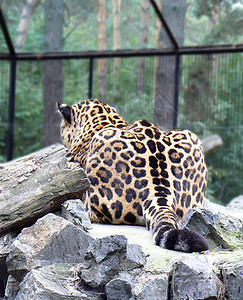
x=106, y=257
x=155, y=288
x=119, y=288
x=232, y=275
x=51, y=239
x=54, y=282
x=236, y=203
x=193, y=278
x=222, y=227
x=229, y=268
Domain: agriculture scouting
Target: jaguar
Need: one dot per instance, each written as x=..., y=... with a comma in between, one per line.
x=139, y=174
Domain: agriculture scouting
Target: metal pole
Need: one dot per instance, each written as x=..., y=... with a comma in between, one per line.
x=91, y=65
x=12, y=84
x=177, y=88
x=124, y=53
x=6, y=34
x=164, y=24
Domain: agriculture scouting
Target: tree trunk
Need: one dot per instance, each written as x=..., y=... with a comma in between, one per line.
x=37, y=184
x=22, y=30
x=143, y=43
x=116, y=31
x=164, y=107
x=53, y=78
x=196, y=103
x=200, y=72
x=101, y=16
x=164, y=91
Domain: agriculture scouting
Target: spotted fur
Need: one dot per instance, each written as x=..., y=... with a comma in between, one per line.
x=139, y=174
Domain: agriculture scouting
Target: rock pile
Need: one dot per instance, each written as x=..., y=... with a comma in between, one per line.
x=61, y=257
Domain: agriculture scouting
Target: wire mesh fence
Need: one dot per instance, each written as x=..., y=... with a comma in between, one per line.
x=209, y=102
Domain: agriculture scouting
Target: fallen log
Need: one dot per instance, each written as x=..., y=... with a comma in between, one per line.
x=37, y=184
x=211, y=142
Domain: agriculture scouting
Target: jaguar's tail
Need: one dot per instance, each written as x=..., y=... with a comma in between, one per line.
x=183, y=240
x=167, y=234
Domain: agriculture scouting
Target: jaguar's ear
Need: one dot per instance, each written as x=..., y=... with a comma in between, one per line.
x=66, y=111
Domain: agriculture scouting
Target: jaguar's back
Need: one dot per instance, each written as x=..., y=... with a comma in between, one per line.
x=138, y=173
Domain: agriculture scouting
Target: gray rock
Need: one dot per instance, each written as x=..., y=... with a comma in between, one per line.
x=102, y=260
x=135, y=257
x=3, y=276
x=155, y=289
x=236, y=203
x=106, y=257
x=12, y=288
x=55, y=282
x=119, y=288
x=40, y=257
x=51, y=239
x=232, y=276
x=193, y=278
x=200, y=220
x=5, y=243
x=213, y=207
x=223, y=229
x=74, y=211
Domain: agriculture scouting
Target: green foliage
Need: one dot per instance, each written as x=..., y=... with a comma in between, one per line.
x=211, y=106
x=4, y=75
x=211, y=89
x=35, y=36
x=75, y=78
x=213, y=22
x=28, y=109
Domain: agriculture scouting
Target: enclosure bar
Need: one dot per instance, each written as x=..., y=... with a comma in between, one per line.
x=177, y=88
x=164, y=24
x=6, y=34
x=91, y=68
x=11, y=108
x=124, y=53
x=219, y=49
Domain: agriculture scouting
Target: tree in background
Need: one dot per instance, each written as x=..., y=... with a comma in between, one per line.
x=164, y=90
x=26, y=14
x=101, y=17
x=53, y=78
x=116, y=29
x=199, y=79
x=224, y=20
x=143, y=42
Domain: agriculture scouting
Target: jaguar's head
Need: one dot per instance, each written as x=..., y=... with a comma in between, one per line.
x=82, y=120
